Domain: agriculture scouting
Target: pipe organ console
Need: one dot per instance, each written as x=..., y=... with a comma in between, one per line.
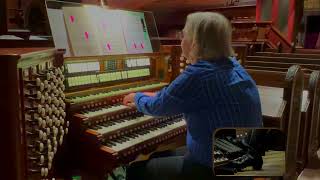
x=109, y=133
x=34, y=111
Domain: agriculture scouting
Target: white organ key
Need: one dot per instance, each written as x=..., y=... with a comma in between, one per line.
x=118, y=126
x=67, y=130
x=106, y=110
x=148, y=136
x=68, y=123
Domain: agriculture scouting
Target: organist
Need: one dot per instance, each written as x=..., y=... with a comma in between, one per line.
x=213, y=92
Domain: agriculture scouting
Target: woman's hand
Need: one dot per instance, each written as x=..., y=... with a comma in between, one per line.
x=128, y=100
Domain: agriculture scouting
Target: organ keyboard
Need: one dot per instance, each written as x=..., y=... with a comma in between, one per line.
x=116, y=134
x=34, y=115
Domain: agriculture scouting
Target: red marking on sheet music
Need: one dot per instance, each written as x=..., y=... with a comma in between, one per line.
x=142, y=45
x=86, y=34
x=108, y=47
x=72, y=19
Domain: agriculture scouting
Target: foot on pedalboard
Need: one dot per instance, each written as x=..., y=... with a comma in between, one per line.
x=249, y=159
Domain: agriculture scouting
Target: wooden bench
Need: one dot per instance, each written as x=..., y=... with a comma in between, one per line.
x=281, y=98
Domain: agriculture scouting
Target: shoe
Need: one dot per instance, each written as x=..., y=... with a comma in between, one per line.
x=247, y=160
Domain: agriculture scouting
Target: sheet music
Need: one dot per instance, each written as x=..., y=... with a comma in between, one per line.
x=109, y=30
x=58, y=30
x=81, y=31
x=135, y=32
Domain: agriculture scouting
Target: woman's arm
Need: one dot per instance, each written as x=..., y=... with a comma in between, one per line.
x=177, y=98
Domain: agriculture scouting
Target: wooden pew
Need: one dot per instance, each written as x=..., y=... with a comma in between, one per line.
x=293, y=50
x=312, y=130
x=282, y=62
x=281, y=97
x=310, y=101
x=289, y=55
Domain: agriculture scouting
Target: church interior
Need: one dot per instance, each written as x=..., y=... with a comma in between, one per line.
x=66, y=67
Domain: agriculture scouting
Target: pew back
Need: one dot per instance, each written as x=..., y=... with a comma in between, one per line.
x=288, y=115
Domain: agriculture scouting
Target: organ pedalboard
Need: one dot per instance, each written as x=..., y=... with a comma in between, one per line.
x=233, y=153
x=109, y=133
x=37, y=101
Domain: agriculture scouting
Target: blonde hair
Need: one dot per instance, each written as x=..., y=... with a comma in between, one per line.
x=211, y=35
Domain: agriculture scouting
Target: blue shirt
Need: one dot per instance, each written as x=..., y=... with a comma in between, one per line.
x=218, y=94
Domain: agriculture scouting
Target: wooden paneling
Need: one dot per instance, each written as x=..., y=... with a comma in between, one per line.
x=172, y=5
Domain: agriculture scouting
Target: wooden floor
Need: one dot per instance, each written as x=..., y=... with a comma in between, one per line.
x=310, y=174
x=273, y=165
